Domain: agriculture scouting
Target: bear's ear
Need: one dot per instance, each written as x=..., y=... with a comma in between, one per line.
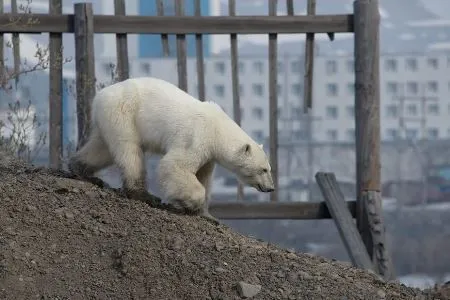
x=247, y=148
x=261, y=146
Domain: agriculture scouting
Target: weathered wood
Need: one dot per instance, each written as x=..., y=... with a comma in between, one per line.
x=273, y=210
x=367, y=110
x=2, y=47
x=183, y=25
x=181, y=51
x=273, y=104
x=164, y=37
x=200, y=59
x=290, y=7
x=309, y=62
x=55, y=94
x=235, y=83
x=16, y=47
x=123, y=68
x=381, y=260
x=343, y=219
x=85, y=67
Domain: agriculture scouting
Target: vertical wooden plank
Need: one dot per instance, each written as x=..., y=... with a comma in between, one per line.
x=2, y=46
x=290, y=7
x=55, y=100
x=164, y=37
x=16, y=47
x=181, y=50
x=200, y=60
x=235, y=83
x=273, y=103
x=85, y=67
x=121, y=44
x=309, y=62
x=367, y=111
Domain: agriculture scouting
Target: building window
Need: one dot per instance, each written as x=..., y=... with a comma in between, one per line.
x=411, y=109
x=433, y=109
x=351, y=88
x=295, y=66
x=241, y=90
x=392, y=134
x=433, y=133
x=257, y=113
x=146, y=68
x=412, y=87
x=433, y=63
x=350, y=66
x=280, y=67
x=332, y=135
x=296, y=89
x=332, y=112
x=332, y=89
x=241, y=67
x=432, y=86
x=411, y=64
x=411, y=133
x=258, y=67
x=350, y=134
x=279, y=89
x=296, y=112
x=391, y=65
x=258, y=135
x=300, y=135
x=257, y=89
x=350, y=111
x=219, y=67
x=219, y=90
x=392, y=88
x=392, y=111
x=331, y=67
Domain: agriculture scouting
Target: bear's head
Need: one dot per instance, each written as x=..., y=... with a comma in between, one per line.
x=251, y=166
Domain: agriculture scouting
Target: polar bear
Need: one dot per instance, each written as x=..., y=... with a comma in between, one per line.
x=150, y=115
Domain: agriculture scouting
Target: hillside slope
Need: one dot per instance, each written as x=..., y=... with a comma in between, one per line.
x=65, y=239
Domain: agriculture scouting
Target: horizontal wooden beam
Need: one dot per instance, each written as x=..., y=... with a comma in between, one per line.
x=274, y=210
x=38, y=23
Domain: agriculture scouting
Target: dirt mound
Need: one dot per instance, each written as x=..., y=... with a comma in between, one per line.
x=66, y=239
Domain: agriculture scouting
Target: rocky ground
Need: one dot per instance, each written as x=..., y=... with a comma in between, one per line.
x=62, y=238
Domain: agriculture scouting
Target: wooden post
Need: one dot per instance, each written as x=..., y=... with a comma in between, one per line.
x=121, y=44
x=164, y=37
x=55, y=101
x=200, y=60
x=273, y=104
x=235, y=83
x=16, y=47
x=85, y=67
x=367, y=123
x=181, y=50
x=309, y=63
x=2, y=45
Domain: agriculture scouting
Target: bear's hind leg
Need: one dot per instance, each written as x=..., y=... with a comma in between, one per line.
x=205, y=177
x=91, y=157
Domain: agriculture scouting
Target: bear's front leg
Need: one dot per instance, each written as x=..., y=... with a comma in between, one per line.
x=180, y=186
x=205, y=176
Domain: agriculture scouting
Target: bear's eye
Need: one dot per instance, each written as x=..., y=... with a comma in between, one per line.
x=265, y=170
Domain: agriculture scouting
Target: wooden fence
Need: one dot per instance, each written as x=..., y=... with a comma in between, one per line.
x=364, y=23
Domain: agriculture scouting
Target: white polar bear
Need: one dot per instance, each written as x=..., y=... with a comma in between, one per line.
x=151, y=115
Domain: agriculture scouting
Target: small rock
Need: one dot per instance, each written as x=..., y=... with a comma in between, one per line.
x=247, y=290
x=220, y=270
x=381, y=294
x=31, y=208
x=68, y=215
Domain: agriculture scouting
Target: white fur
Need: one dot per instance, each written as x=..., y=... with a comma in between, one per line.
x=151, y=115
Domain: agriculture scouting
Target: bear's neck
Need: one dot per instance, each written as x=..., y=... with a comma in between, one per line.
x=229, y=138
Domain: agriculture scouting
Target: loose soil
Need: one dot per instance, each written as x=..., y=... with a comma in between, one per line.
x=62, y=238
